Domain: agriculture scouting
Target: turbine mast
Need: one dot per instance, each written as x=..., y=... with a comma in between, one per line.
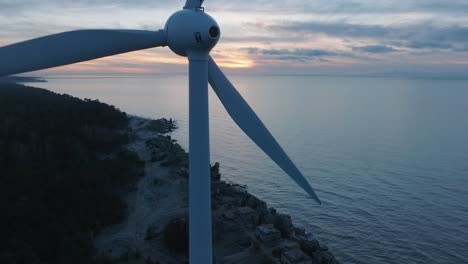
x=200, y=245
x=192, y=33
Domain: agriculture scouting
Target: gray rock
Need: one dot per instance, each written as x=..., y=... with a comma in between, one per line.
x=229, y=200
x=284, y=224
x=299, y=231
x=310, y=247
x=162, y=126
x=269, y=218
x=254, y=202
x=230, y=215
x=268, y=234
x=324, y=257
x=295, y=256
x=288, y=244
x=215, y=175
x=247, y=214
x=182, y=171
x=244, y=211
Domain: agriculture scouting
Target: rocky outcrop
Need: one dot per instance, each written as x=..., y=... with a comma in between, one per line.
x=164, y=149
x=21, y=79
x=161, y=126
x=260, y=231
x=245, y=230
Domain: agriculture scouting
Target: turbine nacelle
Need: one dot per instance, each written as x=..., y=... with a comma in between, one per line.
x=192, y=33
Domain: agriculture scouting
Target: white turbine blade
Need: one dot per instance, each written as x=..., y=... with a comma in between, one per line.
x=74, y=46
x=249, y=122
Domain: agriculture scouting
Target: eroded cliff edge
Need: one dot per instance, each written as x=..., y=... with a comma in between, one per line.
x=245, y=230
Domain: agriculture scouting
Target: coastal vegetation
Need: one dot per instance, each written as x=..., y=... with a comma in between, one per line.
x=63, y=169
x=67, y=173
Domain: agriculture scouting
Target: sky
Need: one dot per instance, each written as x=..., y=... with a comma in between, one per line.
x=314, y=37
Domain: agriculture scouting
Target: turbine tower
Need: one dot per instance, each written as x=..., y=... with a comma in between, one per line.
x=191, y=33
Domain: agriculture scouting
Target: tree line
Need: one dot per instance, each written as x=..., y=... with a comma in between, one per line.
x=63, y=169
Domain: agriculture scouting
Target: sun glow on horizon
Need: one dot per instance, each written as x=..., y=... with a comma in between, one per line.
x=147, y=62
x=236, y=63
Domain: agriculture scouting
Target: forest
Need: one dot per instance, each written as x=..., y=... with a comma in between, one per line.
x=63, y=169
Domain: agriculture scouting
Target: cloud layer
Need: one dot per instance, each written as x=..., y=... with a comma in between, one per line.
x=265, y=36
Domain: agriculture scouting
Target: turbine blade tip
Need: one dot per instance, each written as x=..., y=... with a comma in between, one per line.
x=318, y=201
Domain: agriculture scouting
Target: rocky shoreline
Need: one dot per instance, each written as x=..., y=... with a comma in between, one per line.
x=21, y=79
x=245, y=230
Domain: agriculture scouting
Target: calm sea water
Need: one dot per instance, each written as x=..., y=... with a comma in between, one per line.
x=388, y=157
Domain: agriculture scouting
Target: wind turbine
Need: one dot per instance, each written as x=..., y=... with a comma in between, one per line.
x=191, y=33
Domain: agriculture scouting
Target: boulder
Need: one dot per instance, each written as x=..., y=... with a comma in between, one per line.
x=182, y=171
x=310, y=247
x=229, y=200
x=283, y=223
x=294, y=256
x=268, y=234
x=268, y=218
x=215, y=175
x=247, y=214
x=254, y=202
x=299, y=231
x=324, y=257
x=230, y=215
x=286, y=244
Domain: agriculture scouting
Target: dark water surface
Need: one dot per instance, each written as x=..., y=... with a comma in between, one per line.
x=388, y=157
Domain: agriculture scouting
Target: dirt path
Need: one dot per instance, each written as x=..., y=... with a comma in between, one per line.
x=158, y=198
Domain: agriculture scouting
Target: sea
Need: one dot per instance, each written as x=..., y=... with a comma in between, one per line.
x=387, y=156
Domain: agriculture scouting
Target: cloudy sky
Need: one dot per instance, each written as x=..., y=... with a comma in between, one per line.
x=350, y=37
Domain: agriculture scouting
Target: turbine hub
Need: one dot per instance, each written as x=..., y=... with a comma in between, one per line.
x=191, y=32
